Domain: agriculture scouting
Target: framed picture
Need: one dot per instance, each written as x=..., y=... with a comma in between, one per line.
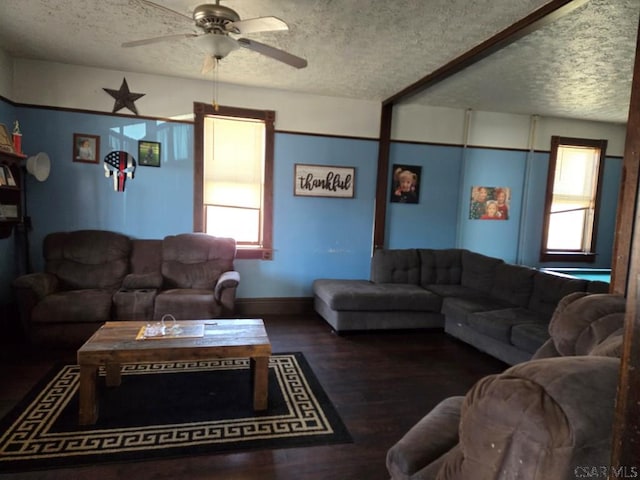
x=6, y=143
x=489, y=203
x=86, y=148
x=323, y=181
x=405, y=184
x=148, y=153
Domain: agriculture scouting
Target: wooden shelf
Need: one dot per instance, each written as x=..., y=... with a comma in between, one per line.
x=10, y=158
x=11, y=195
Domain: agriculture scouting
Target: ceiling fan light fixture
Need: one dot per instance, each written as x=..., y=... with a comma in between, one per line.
x=217, y=45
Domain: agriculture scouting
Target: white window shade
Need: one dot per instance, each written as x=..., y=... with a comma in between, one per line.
x=576, y=173
x=233, y=167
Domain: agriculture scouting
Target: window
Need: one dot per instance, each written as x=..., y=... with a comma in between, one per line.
x=572, y=200
x=233, y=185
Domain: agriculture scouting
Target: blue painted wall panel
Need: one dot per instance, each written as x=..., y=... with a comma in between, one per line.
x=314, y=237
x=431, y=223
x=492, y=168
x=155, y=203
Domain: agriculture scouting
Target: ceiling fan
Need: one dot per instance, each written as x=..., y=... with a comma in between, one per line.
x=218, y=23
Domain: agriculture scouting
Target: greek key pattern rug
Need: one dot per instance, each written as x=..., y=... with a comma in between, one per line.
x=169, y=409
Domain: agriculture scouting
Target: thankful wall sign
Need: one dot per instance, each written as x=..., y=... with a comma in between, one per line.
x=323, y=181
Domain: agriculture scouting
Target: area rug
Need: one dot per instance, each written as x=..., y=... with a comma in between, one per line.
x=169, y=409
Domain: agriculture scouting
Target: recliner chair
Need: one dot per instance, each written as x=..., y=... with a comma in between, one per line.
x=547, y=418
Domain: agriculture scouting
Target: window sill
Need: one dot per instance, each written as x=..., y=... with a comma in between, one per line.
x=573, y=257
x=254, y=254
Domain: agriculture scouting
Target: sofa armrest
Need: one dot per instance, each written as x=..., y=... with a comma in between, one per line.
x=137, y=281
x=427, y=440
x=229, y=279
x=41, y=284
x=30, y=289
x=225, y=290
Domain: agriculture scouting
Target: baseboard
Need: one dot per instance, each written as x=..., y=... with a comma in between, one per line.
x=274, y=306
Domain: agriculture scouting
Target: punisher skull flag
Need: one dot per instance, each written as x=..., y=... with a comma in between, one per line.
x=119, y=165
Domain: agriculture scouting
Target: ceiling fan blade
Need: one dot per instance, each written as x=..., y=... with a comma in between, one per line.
x=273, y=52
x=258, y=24
x=165, y=38
x=209, y=64
x=162, y=7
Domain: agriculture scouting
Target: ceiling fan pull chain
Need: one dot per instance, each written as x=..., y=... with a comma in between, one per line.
x=216, y=67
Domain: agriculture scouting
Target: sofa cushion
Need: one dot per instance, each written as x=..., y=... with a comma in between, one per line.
x=530, y=336
x=395, y=266
x=74, y=306
x=146, y=255
x=453, y=290
x=548, y=290
x=87, y=258
x=142, y=281
x=196, y=260
x=442, y=267
x=459, y=308
x=186, y=304
x=513, y=284
x=478, y=271
x=598, y=286
x=368, y=296
x=499, y=324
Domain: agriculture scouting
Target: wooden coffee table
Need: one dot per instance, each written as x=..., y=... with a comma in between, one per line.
x=115, y=344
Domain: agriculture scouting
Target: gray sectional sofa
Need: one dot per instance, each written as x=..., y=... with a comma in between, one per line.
x=500, y=308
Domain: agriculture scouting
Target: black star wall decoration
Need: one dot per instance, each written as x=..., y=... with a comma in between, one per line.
x=124, y=98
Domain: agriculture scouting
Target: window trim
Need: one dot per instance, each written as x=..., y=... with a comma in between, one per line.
x=201, y=110
x=571, y=256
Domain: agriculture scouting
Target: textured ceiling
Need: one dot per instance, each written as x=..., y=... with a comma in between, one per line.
x=578, y=67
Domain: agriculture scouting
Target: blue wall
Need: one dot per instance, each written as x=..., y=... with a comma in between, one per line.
x=155, y=203
x=431, y=223
x=313, y=237
x=316, y=237
x=493, y=168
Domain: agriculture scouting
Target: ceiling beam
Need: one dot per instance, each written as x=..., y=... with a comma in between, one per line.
x=545, y=15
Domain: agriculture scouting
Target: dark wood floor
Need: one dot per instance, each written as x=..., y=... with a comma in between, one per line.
x=380, y=382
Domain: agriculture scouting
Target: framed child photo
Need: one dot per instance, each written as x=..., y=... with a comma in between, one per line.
x=148, y=153
x=86, y=148
x=405, y=184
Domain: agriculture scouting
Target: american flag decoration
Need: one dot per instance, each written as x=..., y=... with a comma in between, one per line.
x=119, y=165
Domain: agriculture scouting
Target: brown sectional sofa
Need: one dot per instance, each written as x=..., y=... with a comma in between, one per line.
x=500, y=308
x=94, y=276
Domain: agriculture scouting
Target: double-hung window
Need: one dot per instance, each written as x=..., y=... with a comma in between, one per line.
x=572, y=201
x=233, y=185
